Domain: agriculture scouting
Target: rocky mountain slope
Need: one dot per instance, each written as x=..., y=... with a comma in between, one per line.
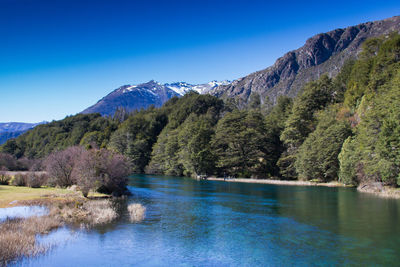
x=135, y=97
x=322, y=53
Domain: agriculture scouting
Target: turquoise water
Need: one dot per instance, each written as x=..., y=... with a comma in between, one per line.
x=209, y=223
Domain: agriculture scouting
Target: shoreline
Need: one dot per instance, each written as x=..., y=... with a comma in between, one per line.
x=278, y=182
x=373, y=189
x=379, y=190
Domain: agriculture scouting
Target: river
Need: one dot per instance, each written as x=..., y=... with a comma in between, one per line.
x=214, y=223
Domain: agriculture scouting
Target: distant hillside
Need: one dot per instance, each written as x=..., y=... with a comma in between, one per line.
x=13, y=129
x=136, y=97
x=322, y=53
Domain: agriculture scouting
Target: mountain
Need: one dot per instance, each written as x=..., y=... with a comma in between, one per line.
x=322, y=53
x=10, y=130
x=182, y=88
x=135, y=97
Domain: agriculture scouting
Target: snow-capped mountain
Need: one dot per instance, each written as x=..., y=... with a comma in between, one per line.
x=135, y=97
x=132, y=97
x=182, y=87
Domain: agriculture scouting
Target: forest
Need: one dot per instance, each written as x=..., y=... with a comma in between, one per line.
x=344, y=128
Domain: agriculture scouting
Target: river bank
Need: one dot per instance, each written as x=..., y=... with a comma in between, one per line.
x=14, y=195
x=277, y=182
x=379, y=190
x=376, y=189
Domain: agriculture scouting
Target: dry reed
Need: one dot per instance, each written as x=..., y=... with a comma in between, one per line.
x=136, y=212
x=18, y=237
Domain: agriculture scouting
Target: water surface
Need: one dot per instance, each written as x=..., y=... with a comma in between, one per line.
x=22, y=212
x=213, y=223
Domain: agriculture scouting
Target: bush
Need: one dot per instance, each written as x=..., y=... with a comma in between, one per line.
x=102, y=170
x=60, y=164
x=8, y=162
x=36, y=180
x=4, y=178
x=19, y=179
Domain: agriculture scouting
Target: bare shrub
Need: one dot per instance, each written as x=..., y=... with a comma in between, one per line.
x=4, y=178
x=36, y=180
x=60, y=164
x=8, y=162
x=18, y=237
x=20, y=179
x=102, y=170
x=94, y=169
x=86, y=172
x=37, y=165
x=117, y=169
x=25, y=164
x=136, y=212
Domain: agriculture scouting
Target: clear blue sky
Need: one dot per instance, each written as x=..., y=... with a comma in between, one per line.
x=58, y=57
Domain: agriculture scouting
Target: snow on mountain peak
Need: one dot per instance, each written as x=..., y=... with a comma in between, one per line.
x=180, y=88
x=129, y=89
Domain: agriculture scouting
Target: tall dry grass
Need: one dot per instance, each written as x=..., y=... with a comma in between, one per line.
x=18, y=237
x=92, y=212
x=136, y=212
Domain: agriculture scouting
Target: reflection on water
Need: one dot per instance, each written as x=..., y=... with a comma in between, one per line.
x=210, y=223
x=22, y=212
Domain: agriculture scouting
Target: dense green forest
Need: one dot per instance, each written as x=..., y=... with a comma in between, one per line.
x=344, y=128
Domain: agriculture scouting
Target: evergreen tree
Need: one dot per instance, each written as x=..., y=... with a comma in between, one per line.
x=301, y=122
x=317, y=157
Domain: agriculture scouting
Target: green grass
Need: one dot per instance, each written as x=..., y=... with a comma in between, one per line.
x=10, y=193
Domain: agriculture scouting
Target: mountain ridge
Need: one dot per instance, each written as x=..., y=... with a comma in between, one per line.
x=322, y=53
x=135, y=97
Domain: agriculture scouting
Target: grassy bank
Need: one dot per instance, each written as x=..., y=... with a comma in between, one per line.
x=12, y=195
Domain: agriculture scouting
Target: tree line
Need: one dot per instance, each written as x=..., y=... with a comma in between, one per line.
x=344, y=128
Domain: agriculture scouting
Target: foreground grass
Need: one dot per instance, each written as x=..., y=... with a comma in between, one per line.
x=18, y=237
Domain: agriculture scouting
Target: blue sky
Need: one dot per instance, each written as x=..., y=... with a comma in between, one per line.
x=60, y=56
